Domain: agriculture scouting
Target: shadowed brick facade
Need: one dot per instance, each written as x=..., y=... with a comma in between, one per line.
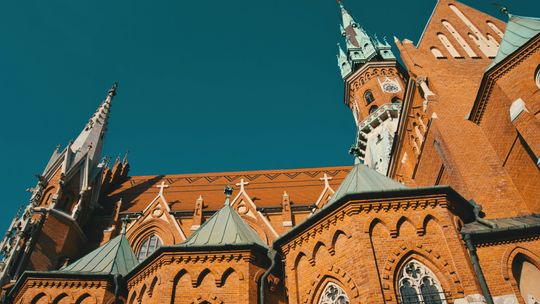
x=441, y=205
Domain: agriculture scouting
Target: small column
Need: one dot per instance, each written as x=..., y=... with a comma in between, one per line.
x=286, y=210
x=421, y=81
x=198, y=213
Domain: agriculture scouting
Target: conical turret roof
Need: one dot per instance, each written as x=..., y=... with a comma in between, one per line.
x=225, y=227
x=114, y=257
x=363, y=179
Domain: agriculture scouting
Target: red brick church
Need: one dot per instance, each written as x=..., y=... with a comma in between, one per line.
x=442, y=204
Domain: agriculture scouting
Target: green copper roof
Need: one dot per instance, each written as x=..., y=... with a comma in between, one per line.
x=225, y=227
x=519, y=30
x=114, y=257
x=363, y=179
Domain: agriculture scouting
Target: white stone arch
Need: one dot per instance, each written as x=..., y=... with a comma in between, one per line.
x=418, y=284
x=333, y=294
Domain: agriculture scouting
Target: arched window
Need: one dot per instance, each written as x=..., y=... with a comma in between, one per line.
x=418, y=285
x=459, y=39
x=537, y=76
x=396, y=100
x=495, y=28
x=333, y=294
x=368, y=97
x=449, y=47
x=526, y=275
x=373, y=109
x=149, y=245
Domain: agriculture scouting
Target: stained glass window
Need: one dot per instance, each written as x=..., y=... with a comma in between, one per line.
x=333, y=294
x=148, y=247
x=418, y=285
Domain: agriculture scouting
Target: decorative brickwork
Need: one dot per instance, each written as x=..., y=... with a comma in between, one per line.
x=460, y=112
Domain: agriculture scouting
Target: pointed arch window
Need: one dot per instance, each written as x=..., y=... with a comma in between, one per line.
x=149, y=245
x=333, y=294
x=526, y=275
x=368, y=97
x=418, y=285
x=537, y=77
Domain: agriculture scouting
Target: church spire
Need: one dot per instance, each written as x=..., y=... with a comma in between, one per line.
x=359, y=44
x=361, y=47
x=90, y=141
x=343, y=62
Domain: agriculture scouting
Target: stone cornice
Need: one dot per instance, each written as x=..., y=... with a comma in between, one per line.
x=64, y=283
x=354, y=78
x=168, y=258
x=366, y=207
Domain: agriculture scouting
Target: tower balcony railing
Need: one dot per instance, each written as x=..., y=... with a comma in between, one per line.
x=386, y=111
x=372, y=121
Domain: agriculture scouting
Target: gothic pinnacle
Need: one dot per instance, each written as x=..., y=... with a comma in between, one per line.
x=228, y=191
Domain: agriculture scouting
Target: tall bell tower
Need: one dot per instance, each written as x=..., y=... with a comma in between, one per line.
x=374, y=87
x=53, y=228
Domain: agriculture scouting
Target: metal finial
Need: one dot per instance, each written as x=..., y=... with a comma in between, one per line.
x=503, y=9
x=112, y=90
x=354, y=150
x=125, y=160
x=125, y=221
x=228, y=191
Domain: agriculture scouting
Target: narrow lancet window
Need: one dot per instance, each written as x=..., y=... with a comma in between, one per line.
x=449, y=47
x=495, y=29
x=437, y=53
x=459, y=39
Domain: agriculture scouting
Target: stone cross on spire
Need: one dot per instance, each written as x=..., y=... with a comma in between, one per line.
x=326, y=180
x=242, y=184
x=161, y=187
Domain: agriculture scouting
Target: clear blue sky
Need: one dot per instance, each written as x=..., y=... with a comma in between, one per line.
x=204, y=85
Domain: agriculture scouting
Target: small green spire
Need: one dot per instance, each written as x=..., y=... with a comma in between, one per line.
x=228, y=191
x=354, y=150
x=125, y=221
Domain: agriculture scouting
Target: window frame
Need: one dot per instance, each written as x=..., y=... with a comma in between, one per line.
x=371, y=99
x=325, y=299
x=148, y=246
x=417, y=283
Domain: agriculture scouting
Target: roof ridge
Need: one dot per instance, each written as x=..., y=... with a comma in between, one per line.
x=225, y=227
x=364, y=179
x=105, y=259
x=245, y=172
